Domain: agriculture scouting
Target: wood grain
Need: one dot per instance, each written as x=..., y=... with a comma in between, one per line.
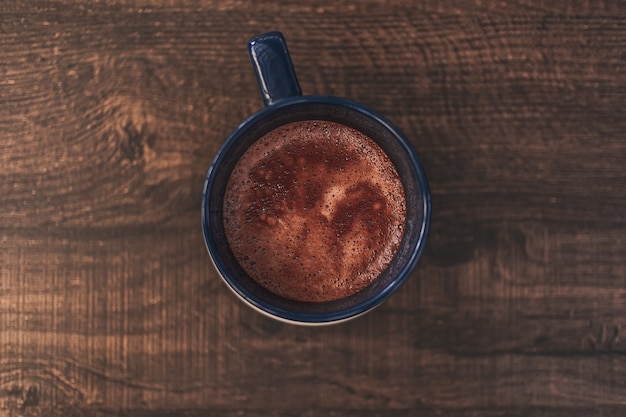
x=110, y=113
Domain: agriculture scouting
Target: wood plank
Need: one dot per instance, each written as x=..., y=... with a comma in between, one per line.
x=510, y=295
x=133, y=128
x=324, y=375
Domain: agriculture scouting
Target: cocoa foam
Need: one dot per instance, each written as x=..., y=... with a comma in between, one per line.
x=314, y=211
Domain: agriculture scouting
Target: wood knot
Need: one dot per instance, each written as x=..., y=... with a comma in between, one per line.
x=31, y=398
x=134, y=140
x=607, y=340
x=21, y=398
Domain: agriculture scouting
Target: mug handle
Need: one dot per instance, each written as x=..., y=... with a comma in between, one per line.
x=273, y=67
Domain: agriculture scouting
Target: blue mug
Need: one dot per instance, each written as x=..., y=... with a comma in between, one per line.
x=284, y=103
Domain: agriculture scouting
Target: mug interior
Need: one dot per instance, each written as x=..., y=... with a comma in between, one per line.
x=350, y=114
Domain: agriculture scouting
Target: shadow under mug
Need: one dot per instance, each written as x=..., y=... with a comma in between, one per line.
x=285, y=104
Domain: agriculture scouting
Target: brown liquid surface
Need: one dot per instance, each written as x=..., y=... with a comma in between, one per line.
x=314, y=211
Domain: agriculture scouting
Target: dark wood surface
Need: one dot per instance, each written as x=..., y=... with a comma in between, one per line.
x=110, y=113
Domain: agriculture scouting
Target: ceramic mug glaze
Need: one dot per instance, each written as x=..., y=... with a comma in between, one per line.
x=284, y=104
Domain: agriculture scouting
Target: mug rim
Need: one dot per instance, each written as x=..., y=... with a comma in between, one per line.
x=328, y=317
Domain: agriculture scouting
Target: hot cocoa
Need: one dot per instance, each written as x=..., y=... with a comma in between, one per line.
x=314, y=211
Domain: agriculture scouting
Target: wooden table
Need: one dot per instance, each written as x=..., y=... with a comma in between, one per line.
x=111, y=111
